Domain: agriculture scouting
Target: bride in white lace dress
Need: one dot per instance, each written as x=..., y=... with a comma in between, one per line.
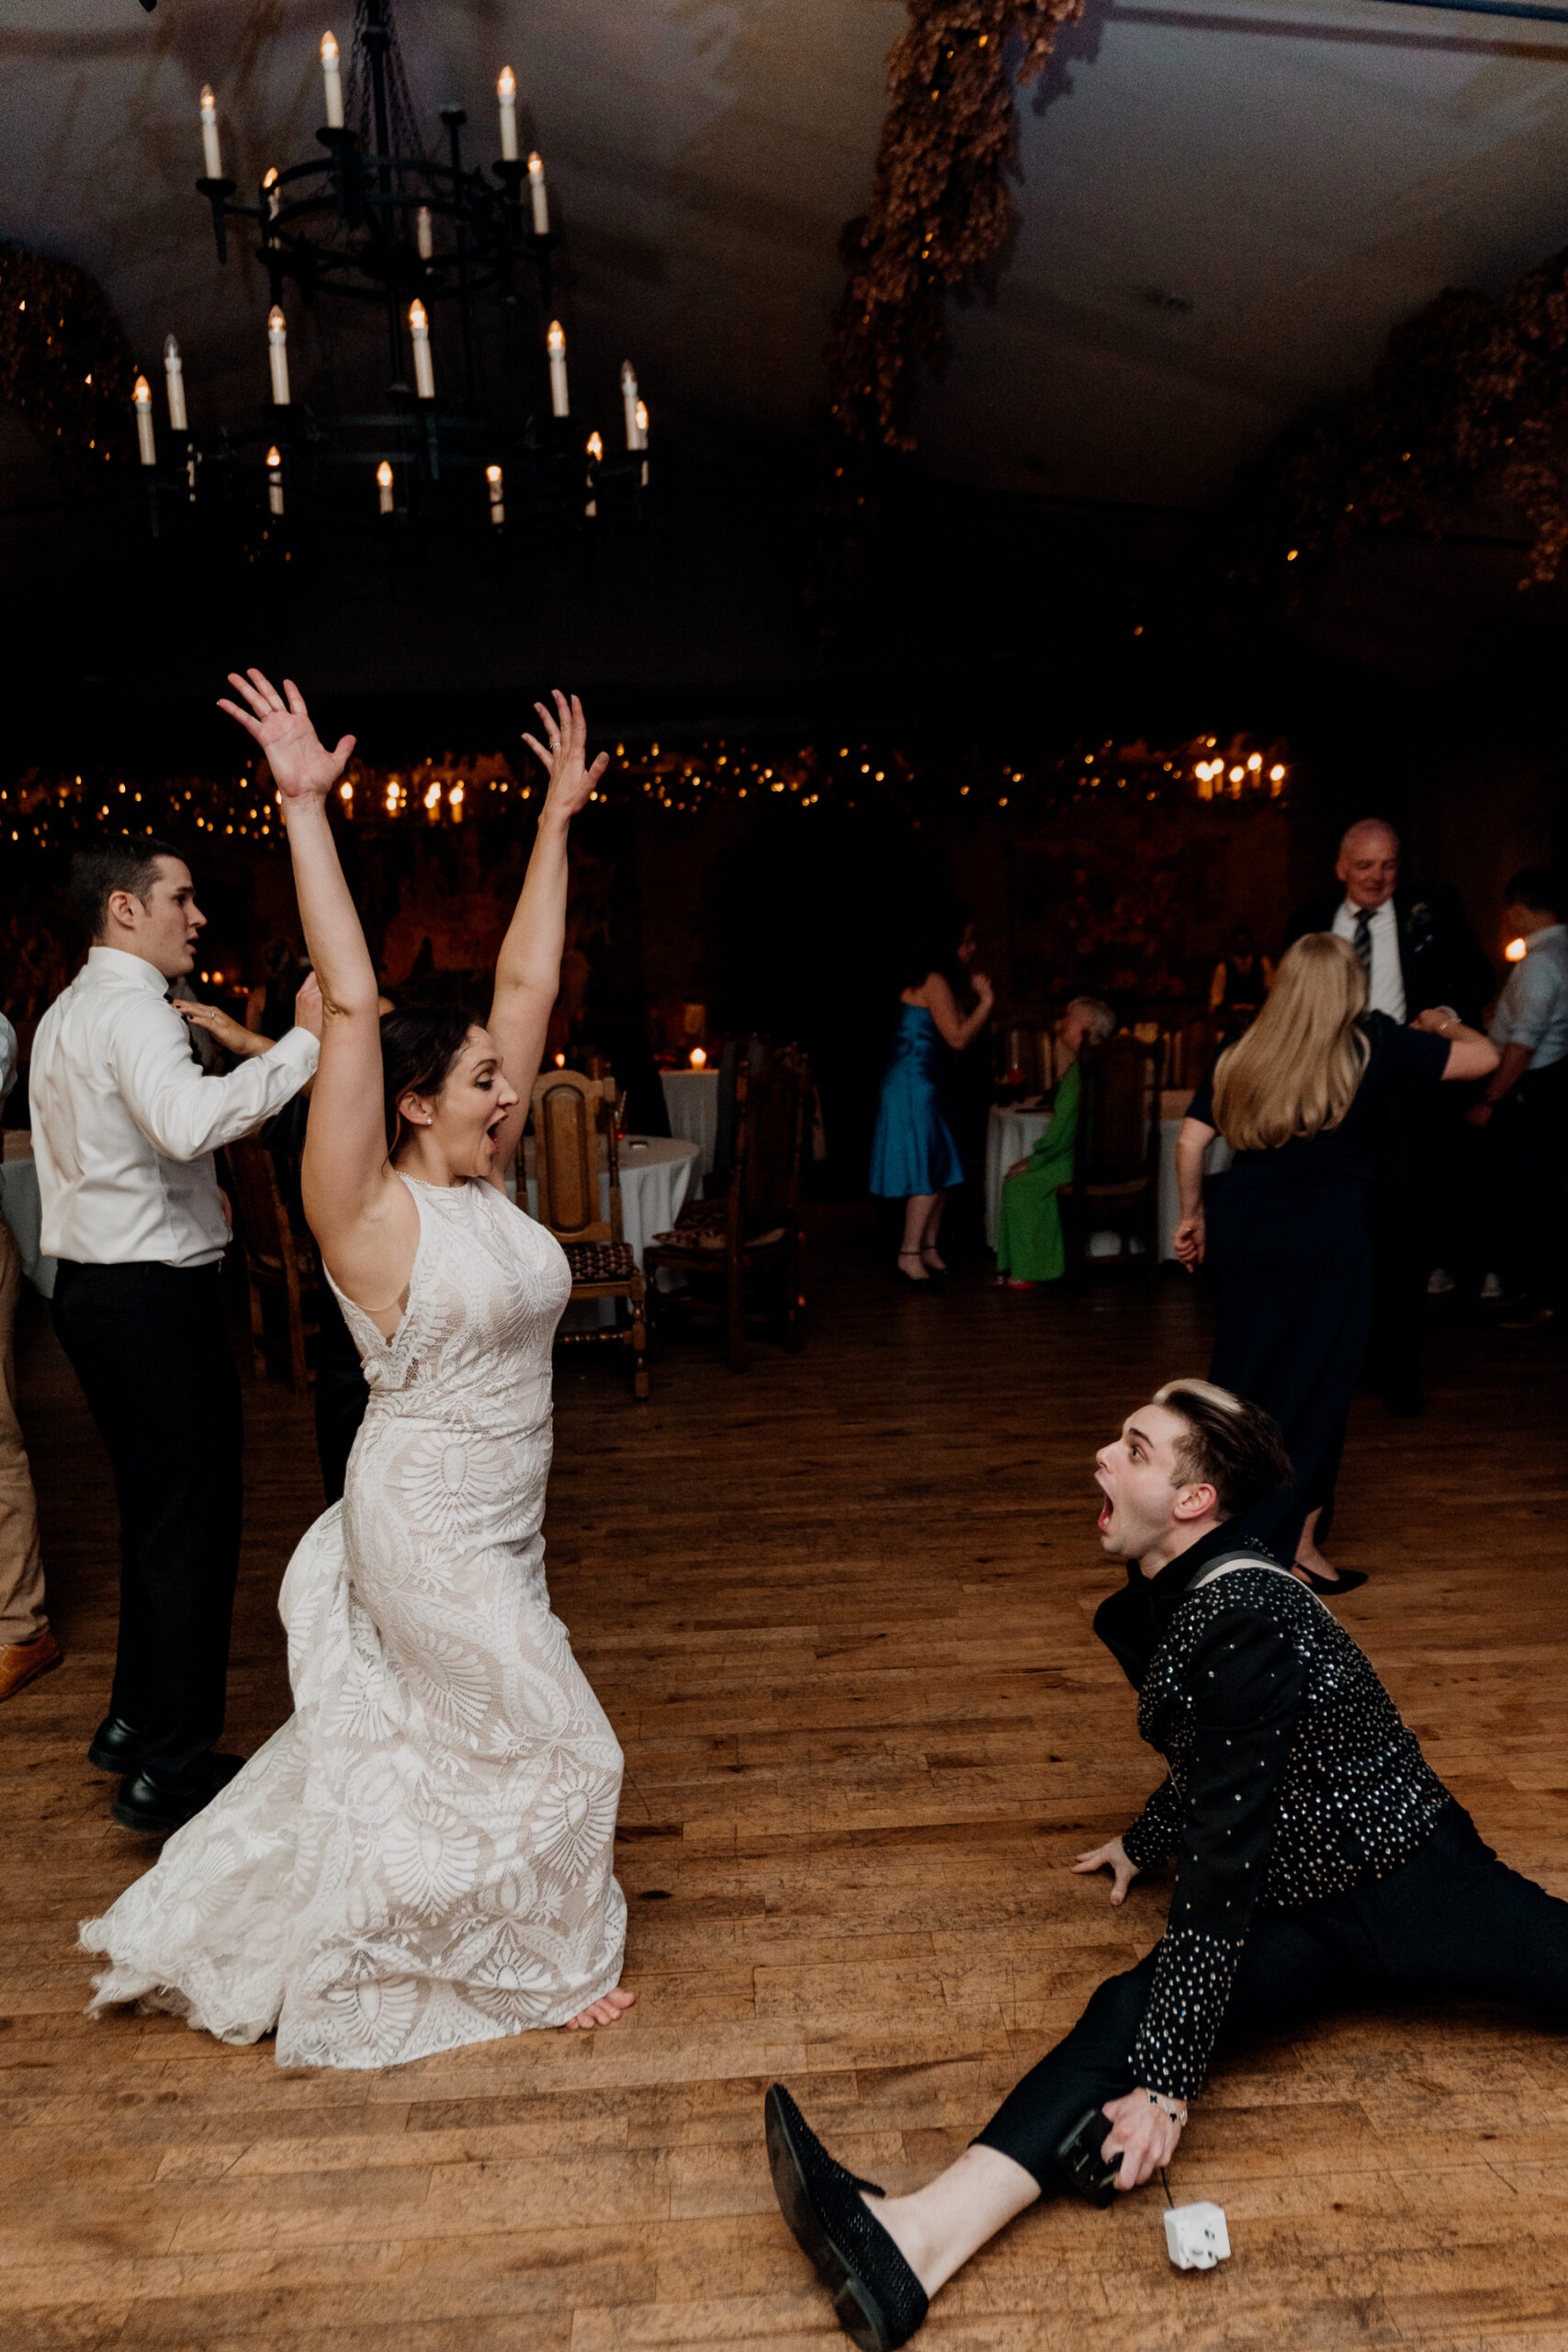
x=422, y=1856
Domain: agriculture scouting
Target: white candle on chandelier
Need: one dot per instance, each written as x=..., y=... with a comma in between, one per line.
x=384, y=484
x=506, y=97
x=275, y=480
x=269, y=191
x=555, y=342
x=628, y=401
x=642, y=424
x=142, y=393
x=423, y=372
x=278, y=356
x=332, y=77
x=424, y=233
x=497, y=498
x=174, y=374
x=209, y=147
x=540, y=199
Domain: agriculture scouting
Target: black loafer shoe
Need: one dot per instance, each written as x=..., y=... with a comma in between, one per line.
x=877, y=2300
x=117, y=1747
x=157, y=1806
x=1326, y=1587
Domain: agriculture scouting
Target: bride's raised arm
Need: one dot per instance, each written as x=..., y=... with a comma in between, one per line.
x=357, y=1210
x=527, y=970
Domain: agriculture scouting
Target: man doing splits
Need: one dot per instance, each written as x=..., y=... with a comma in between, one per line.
x=125, y=1124
x=1320, y=1862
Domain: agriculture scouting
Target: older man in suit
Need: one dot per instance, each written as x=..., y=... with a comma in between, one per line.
x=1419, y=952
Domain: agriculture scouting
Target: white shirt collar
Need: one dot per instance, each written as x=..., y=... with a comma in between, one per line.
x=129, y=971
x=1547, y=930
x=1352, y=912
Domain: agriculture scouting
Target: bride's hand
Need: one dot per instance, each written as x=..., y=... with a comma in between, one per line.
x=565, y=731
x=302, y=767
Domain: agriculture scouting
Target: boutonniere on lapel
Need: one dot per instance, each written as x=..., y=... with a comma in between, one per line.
x=1418, y=924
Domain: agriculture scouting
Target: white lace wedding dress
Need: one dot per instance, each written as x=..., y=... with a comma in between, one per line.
x=422, y=1856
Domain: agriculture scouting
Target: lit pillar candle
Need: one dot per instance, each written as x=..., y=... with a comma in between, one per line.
x=269, y=192
x=331, y=78
x=497, y=498
x=175, y=376
x=506, y=97
x=423, y=372
x=424, y=233
x=142, y=393
x=555, y=342
x=209, y=147
x=628, y=403
x=275, y=480
x=278, y=356
x=642, y=436
x=384, y=484
x=540, y=200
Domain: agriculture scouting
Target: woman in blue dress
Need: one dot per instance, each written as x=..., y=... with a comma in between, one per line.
x=913, y=1155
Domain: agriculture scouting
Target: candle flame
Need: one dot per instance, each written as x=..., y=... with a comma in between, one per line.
x=275, y=456
x=506, y=86
x=535, y=166
x=269, y=178
x=699, y=1059
x=140, y=392
x=276, y=322
x=384, y=475
x=642, y=416
x=209, y=104
x=492, y=473
x=1515, y=951
x=595, y=448
x=418, y=322
x=1276, y=774
x=345, y=791
x=555, y=342
x=329, y=49
x=560, y=1061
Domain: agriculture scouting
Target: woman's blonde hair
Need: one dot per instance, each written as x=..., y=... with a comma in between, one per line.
x=1296, y=1071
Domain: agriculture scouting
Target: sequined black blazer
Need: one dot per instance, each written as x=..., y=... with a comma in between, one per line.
x=1292, y=1777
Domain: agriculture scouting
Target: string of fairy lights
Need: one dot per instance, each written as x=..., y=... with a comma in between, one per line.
x=45, y=812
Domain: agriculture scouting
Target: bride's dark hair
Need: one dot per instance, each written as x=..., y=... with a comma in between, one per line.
x=419, y=1046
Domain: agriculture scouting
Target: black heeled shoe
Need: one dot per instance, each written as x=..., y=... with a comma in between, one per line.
x=1326, y=1587
x=877, y=2300
x=913, y=1282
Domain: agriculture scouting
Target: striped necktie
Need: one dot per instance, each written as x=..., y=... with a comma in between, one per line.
x=1363, y=940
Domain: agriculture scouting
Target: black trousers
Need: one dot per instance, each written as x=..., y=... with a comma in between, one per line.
x=1454, y=1924
x=1533, y=1120
x=149, y=1345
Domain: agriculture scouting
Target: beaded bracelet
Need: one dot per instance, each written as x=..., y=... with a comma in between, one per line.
x=1177, y=2115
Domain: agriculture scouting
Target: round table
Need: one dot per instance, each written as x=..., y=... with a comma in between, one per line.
x=690, y=1097
x=1011, y=1134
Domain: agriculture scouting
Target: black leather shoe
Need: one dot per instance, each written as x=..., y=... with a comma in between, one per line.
x=1326, y=1587
x=158, y=1806
x=877, y=2300
x=117, y=1747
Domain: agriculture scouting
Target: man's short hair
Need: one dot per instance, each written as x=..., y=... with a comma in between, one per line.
x=1368, y=825
x=129, y=862
x=1537, y=887
x=1230, y=1445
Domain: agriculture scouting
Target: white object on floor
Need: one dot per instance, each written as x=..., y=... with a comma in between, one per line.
x=1105, y=1245
x=1196, y=2237
x=1492, y=1287
x=1439, y=1282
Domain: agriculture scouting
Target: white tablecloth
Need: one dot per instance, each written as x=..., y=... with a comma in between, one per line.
x=690, y=1097
x=1012, y=1135
x=24, y=1215
x=656, y=1175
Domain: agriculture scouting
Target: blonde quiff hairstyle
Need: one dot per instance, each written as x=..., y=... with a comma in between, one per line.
x=1296, y=1071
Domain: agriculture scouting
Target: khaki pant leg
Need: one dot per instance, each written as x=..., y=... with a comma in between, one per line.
x=22, y=1617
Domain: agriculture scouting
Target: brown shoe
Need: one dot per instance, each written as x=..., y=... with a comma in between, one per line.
x=25, y=1661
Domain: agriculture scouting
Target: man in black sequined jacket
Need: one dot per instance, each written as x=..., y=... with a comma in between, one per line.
x=1319, y=1862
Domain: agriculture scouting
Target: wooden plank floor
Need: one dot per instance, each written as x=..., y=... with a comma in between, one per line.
x=838, y=1612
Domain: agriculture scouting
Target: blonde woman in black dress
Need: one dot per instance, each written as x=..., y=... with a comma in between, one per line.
x=1305, y=1099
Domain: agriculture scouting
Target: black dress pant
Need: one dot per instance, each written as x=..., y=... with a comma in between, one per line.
x=1455, y=1923
x=149, y=1344
x=1533, y=1120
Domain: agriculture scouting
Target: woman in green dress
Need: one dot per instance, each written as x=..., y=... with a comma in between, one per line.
x=1029, y=1230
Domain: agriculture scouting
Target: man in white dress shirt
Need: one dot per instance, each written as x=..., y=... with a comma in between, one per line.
x=1419, y=954
x=125, y=1124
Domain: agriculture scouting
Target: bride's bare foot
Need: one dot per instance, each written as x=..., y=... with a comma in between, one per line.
x=603, y=2012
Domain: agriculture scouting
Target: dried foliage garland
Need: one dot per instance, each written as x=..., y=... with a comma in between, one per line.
x=64, y=363
x=1472, y=393
x=943, y=207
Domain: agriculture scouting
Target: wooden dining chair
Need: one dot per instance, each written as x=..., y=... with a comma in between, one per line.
x=278, y=1262
x=572, y=1115
x=753, y=1251
x=1115, y=1179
